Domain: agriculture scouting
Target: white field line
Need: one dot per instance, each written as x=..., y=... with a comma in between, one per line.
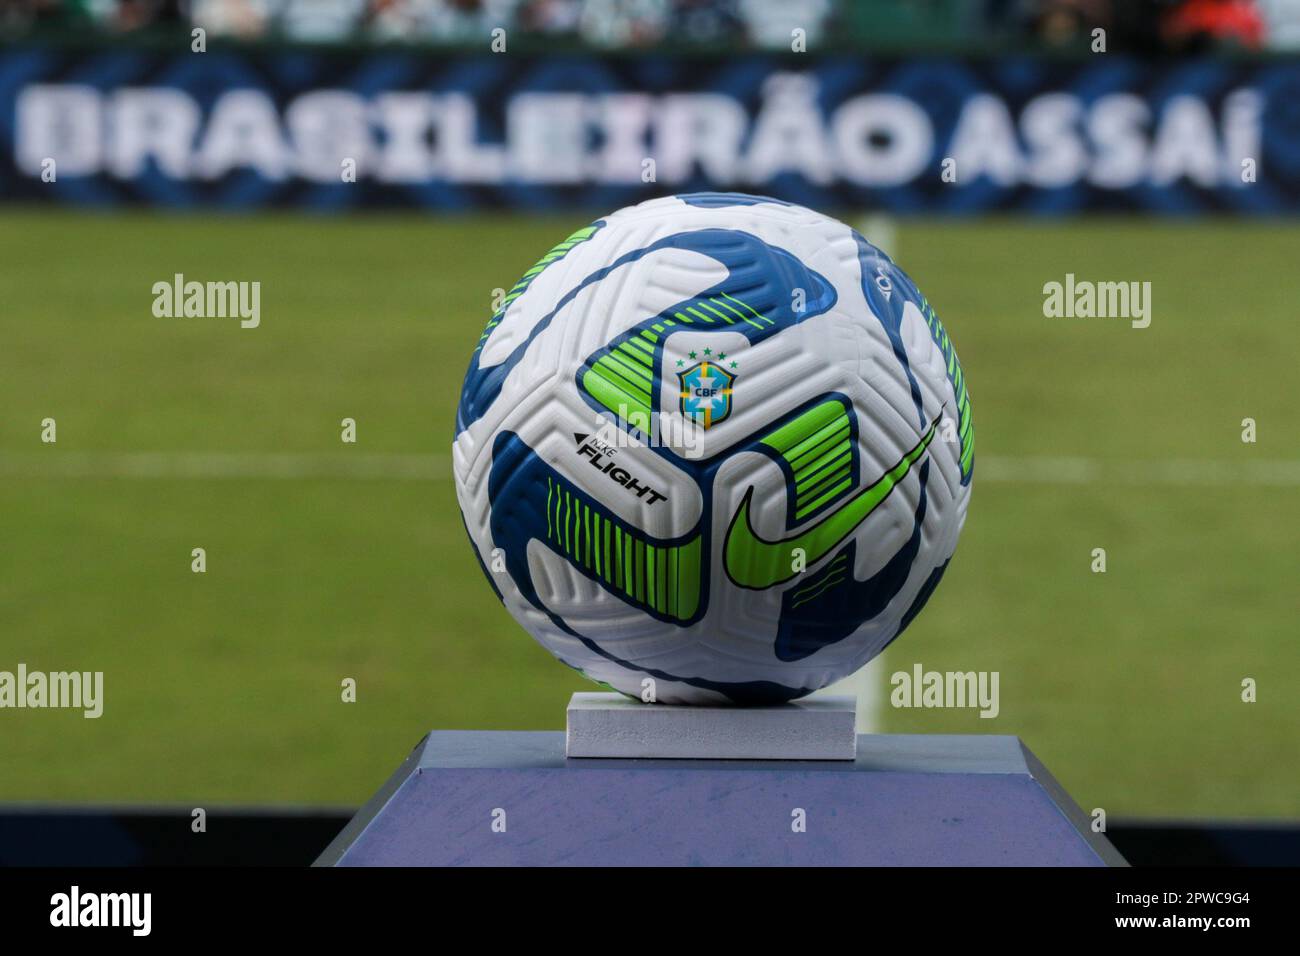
x=868, y=684
x=1087, y=471
x=55, y=463
x=205, y=465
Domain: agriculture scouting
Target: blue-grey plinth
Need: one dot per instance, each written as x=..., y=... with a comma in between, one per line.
x=501, y=798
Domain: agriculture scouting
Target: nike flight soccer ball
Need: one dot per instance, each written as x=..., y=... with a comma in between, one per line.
x=714, y=449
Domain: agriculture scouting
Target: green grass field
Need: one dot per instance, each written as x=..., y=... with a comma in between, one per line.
x=224, y=687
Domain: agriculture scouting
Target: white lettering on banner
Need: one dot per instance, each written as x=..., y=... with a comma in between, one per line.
x=460, y=158
x=882, y=139
x=1242, y=111
x=1116, y=126
x=547, y=137
x=326, y=127
x=243, y=132
x=700, y=131
x=624, y=117
x=60, y=122
x=404, y=121
x=1057, y=154
x=984, y=144
x=153, y=123
x=788, y=135
x=1185, y=144
x=877, y=140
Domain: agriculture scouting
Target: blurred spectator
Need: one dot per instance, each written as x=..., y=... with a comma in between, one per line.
x=110, y=16
x=22, y=16
x=468, y=22
x=1281, y=23
x=245, y=19
x=624, y=23
x=706, y=21
x=1136, y=26
x=1071, y=22
x=551, y=17
x=769, y=23
x=139, y=14
x=317, y=21
x=1198, y=25
x=1145, y=26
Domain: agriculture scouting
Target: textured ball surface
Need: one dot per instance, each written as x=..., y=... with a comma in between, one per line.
x=714, y=449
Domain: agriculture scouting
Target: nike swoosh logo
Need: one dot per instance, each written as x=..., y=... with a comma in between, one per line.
x=754, y=562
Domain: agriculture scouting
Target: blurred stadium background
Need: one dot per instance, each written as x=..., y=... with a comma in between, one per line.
x=328, y=561
x=1139, y=25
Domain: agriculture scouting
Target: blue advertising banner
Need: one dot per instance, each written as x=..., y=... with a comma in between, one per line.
x=396, y=130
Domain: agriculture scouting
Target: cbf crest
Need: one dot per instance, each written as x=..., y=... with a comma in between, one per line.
x=706, y=390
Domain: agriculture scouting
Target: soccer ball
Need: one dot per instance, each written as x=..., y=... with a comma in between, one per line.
x=714, y=449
